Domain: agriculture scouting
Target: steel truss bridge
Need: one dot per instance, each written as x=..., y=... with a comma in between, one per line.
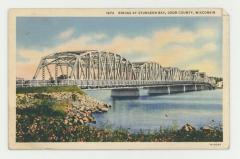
x=100, y=69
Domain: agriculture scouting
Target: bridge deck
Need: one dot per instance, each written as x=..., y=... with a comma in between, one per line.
x=84, y=84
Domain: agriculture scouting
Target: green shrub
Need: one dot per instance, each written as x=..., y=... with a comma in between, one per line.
x=43, y=107
x=59, y=107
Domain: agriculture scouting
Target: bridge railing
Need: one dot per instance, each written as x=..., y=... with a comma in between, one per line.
x=99, y=83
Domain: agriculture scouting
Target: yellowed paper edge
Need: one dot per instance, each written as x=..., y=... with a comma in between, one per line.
x=13, y=13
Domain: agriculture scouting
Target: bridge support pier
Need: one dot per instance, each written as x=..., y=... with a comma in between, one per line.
x=167, y=89
x=171, y=89
x=177, y=88
x=159, y=90
x=125, y=92
x=190, y=88
x=202, y=87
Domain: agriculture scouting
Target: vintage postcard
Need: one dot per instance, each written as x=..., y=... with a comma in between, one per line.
x=119, y=78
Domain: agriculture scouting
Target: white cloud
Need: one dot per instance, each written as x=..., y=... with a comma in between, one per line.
x=66, y=34
x=153, y=47
x=99, y=36
x=207, y=65
x=209, y=47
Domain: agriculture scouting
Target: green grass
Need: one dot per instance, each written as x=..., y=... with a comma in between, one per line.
x=49, y=89
x=45, y=109
x=59, y=107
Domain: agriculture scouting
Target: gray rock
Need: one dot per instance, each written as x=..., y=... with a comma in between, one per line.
x=206, y=129
x=188, y=128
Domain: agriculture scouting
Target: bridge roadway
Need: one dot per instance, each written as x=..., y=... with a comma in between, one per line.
x=121, y=88
x=161, y=89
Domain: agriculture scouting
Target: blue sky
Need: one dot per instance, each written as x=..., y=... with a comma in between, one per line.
x=185, y=42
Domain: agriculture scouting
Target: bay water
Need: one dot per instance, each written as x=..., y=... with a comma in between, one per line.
x=151, y=113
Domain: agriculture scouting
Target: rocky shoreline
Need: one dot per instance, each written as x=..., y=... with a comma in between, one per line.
x=78, y=107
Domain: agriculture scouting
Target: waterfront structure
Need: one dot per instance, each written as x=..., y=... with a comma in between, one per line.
x=101, y=69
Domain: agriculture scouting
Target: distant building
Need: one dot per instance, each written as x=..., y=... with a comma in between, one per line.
x=194, y=71
x=202, y=74
x=220, y=84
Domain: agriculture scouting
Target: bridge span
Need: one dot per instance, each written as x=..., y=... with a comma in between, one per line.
x=90, y=69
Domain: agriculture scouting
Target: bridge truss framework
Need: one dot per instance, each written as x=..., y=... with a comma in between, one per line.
x=100, y=68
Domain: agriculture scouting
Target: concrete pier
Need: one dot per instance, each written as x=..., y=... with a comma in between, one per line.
x=167, y=89
x=200, y=87
x=171, y=89
x=177, y=89
x=125, y=92
x=189, y=88
x=159, y=90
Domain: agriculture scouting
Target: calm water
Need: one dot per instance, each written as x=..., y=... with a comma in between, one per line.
x=149, y=113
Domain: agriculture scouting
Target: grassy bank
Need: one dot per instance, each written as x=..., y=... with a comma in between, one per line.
x=49, y=89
